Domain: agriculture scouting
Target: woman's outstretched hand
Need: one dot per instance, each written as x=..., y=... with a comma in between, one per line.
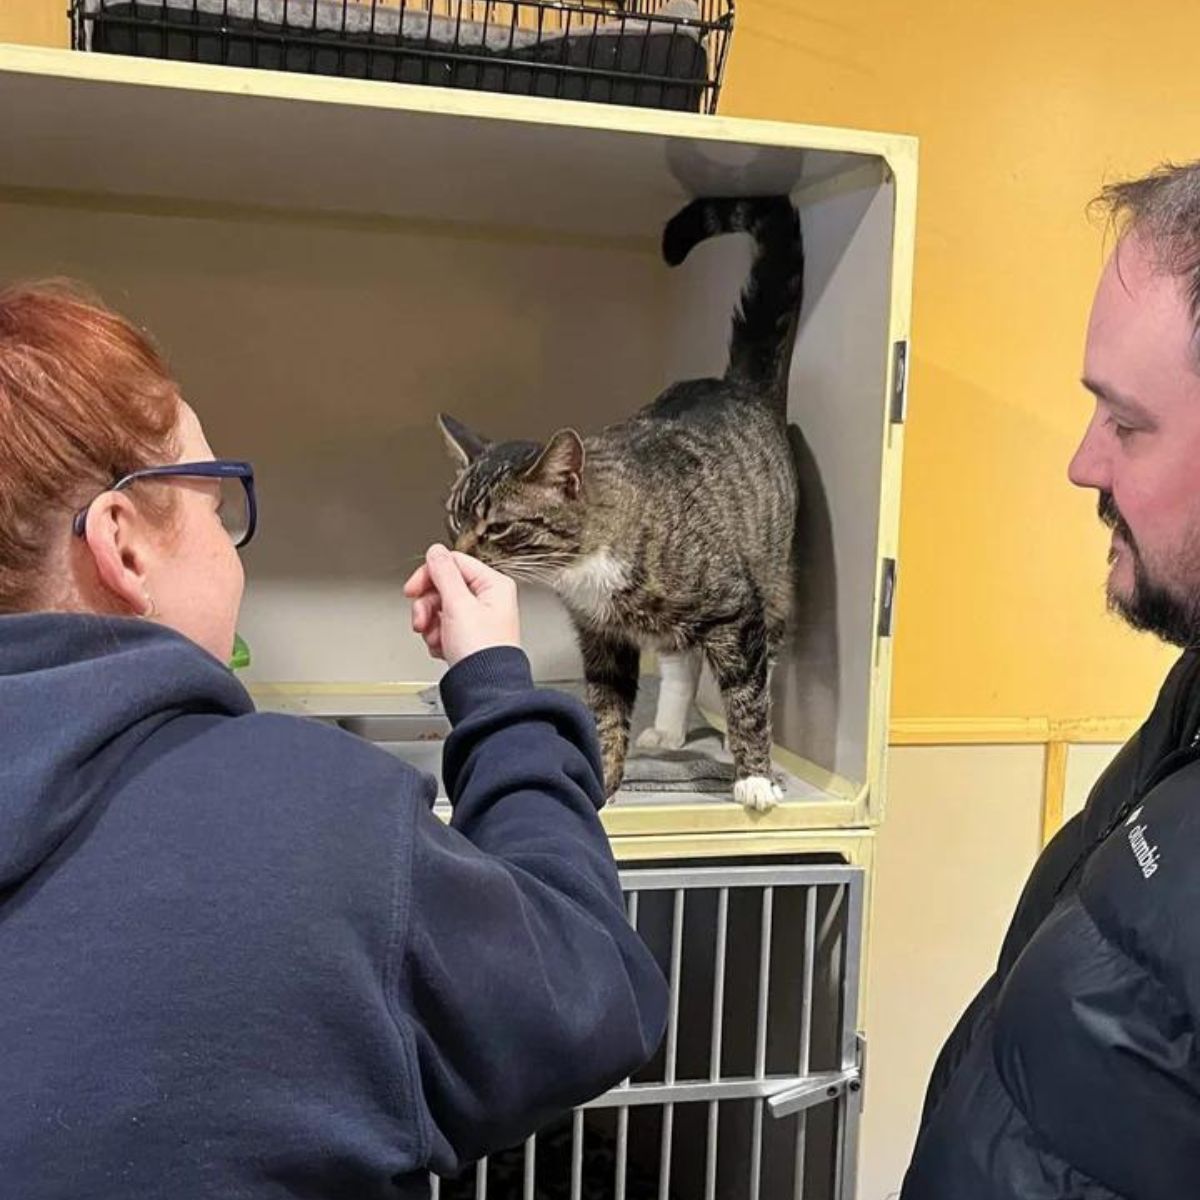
x=461, y=606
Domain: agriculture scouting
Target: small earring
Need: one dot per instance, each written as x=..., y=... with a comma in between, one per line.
x=150, y=610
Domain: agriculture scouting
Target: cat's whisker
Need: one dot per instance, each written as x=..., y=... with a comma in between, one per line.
x=527, y=563
x=535, y=572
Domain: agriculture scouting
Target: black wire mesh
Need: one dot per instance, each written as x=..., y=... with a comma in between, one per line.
x=649, y=53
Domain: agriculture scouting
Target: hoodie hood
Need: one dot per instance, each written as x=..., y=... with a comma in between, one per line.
x=78, y=695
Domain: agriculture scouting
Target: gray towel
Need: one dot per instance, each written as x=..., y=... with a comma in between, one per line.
x=702, y=765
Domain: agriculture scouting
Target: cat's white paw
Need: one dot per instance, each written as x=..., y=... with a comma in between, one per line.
x=757, y=793
x=661, y=739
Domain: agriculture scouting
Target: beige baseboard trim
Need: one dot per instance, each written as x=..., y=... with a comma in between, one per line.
x=1095, y=730
x=968, y=731
x=1009, y=731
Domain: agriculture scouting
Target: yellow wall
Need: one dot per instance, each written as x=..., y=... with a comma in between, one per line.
x=34, y=22
x=1023, y=109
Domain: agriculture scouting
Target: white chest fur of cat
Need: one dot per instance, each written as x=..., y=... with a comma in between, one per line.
x=587, y=586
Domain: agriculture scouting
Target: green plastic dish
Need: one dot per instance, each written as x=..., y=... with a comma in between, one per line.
x=241, y=654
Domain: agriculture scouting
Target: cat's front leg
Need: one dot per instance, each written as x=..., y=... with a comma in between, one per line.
x=740, y=655
x=610, y=666
x=679, y=672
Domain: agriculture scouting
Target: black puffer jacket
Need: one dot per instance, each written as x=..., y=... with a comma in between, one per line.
x=1075, y=1073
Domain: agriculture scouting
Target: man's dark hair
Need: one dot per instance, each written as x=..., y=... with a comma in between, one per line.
x=1162, y=209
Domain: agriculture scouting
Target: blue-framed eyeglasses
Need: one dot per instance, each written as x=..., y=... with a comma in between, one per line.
x=238, y=508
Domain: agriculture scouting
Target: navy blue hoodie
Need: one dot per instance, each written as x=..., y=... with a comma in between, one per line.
x=241, y=958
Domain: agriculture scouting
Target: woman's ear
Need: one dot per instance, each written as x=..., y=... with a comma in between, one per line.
x=117, y=538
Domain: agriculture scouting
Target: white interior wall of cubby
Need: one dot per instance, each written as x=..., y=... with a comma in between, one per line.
x=330, y=263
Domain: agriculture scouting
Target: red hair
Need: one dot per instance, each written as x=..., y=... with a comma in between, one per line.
x=84, y=399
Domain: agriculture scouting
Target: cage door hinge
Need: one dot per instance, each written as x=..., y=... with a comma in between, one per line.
x=899, y=381
x=887, y=597
x=821, y=1089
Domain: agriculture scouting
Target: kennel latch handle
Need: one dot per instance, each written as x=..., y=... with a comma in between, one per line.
x=817, y=1089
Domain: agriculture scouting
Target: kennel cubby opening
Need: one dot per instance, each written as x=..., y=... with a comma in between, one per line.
x=329, y=263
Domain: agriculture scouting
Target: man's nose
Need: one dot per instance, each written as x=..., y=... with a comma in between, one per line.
x=1088, y=467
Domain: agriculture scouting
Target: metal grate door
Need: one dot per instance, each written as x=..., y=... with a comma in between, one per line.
x=755, y=1093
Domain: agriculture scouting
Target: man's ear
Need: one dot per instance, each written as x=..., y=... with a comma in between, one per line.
x=464, y=446
x=560, y=464
x=115, y=536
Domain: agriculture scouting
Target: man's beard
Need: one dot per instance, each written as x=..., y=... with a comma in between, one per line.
x=1150, y=605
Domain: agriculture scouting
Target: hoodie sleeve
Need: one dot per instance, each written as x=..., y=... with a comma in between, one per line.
x=529, y=989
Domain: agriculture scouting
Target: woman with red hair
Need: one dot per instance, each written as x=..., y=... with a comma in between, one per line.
x=239, y=955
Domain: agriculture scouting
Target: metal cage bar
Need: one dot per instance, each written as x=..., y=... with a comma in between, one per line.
x=621, y=1166
x=577, y=1154
x=667, y=1132
x=766, y=921
x=805, y=1055
x=850, y=1103
x=530, y=1181
x=717, y=1038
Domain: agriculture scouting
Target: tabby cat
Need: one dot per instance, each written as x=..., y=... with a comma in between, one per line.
x=673, y=528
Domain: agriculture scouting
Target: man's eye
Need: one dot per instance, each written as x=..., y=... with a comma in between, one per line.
x=1121, y=432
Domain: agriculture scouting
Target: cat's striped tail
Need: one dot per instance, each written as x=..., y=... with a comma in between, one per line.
x=764, y=324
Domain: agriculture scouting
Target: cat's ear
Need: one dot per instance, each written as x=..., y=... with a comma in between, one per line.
x=560, y=465
x=464, y=446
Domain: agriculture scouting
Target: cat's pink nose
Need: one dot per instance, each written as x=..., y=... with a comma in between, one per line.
x=468, y=542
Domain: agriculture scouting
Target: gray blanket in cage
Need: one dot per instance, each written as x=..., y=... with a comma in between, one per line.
x=349, y=17
x=702, y=765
